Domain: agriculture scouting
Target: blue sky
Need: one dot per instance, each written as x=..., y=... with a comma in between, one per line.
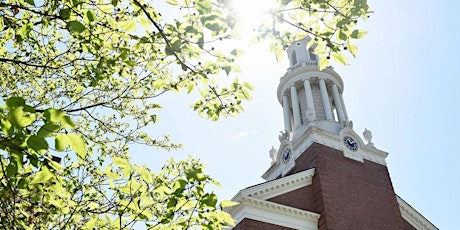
x=403, y=86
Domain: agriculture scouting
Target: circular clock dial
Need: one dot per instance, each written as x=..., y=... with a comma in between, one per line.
x=350, y=143
x=286, y=155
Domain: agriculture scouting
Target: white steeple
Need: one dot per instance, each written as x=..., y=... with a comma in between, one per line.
x=310, y=97
x=314, y=112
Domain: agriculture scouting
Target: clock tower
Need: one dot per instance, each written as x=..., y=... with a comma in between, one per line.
x=323, y=175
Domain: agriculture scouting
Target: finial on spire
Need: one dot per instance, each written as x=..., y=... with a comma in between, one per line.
x=368, y=137
x=284, y=136
x=273, y=154
x=299, y=55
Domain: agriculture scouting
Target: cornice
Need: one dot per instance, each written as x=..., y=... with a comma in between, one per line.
x=413, y=217
x=306, y=71
x=279, y=186
x=279, y=208
x=270, y=212
x=312, y=135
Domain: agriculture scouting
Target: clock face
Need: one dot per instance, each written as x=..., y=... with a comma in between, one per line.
x=350, y=143
x=286, y=155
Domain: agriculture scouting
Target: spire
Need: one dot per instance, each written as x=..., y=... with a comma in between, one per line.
x=310, y=97
x=314, y=114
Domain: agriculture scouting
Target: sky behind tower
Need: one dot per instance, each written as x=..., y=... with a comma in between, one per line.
x=403, y=86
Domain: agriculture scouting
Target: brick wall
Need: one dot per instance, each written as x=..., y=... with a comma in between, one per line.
x=301, y=198
x=349, y=194
x=246, y=224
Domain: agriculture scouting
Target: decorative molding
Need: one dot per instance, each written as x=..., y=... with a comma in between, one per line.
x=302, y=73
x=315, y=134
x=279, y=186
x=413, y=217
x=273, y=213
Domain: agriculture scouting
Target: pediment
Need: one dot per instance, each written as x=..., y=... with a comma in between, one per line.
x=254, y=203
x=270, y=189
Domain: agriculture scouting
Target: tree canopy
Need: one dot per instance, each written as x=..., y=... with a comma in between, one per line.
x=79, y=83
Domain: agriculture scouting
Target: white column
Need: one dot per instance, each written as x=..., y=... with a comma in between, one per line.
x=344, y=108
x=311, y=113
x=295, y=107
x=325, y=99
x=338, y=103
x=287, y=114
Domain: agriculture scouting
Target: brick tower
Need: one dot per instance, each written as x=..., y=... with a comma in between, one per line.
x=323, y=175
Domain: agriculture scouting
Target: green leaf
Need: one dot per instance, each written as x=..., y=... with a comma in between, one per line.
x=237, y=52
x=11, y=169
x=14, y=102
x=159, y=83
x=76, y=26
x=65, y=13
x=176, y=44
x=47, y=130
x=226, y=218
x=58, y=116
x=212, y=26
x=43, y=176
x=310, y=43
x=91, y=224
x=342, y=36
x=53, y=115
x=171, y=203
x=37, y=143
x=227, y=69
x=121, y=162
x=144, y=173
x=67, y=121
x=18, y=118
x=172, y=2
x=15, y=164
x=358, y=34
x=6, y=127
x=340, y=57
x=352, y=49
x=228, y=203
x=31, y=2
x=179, y=186
x=203, y=6
x=210, y=200
x=77, y=144
x=247, y=85
x=90, y=15
x=61, y=142
x=190, y=87
x=323, y=62
x=130, y=27
x=200, y=40
x=75, y=2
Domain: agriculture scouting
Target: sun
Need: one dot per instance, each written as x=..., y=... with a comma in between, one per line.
x=251, y=12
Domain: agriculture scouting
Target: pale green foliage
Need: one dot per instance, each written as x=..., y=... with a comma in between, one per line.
x=90, y=191
x=331, y=24
x=80, y=79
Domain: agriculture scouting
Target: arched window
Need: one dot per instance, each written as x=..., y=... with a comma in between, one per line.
x=293, y=57
x=312, y=55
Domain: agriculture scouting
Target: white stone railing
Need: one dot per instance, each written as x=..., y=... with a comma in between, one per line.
x=308, y=63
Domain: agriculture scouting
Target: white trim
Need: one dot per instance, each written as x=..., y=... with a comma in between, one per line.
x=320, y=136
x=413, y=217
x=253, y=203
x=279, y=186
x=307, y=72
x=273, y=213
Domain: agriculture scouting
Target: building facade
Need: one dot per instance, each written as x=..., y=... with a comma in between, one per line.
x=323, y=174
